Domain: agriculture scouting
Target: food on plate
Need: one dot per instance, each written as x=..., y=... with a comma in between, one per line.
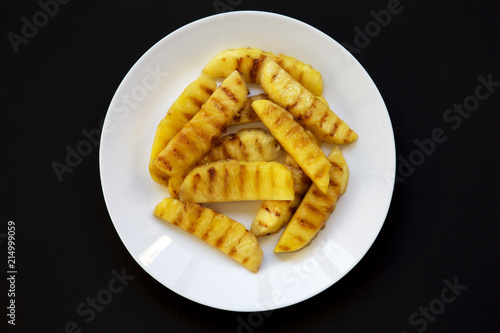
x=247, y=114
x=182, y=110
x=305, y=107
x=216, y=229
x=246, y=60
x=196, y=137
x=273, y=215
x=199, y=165
x=248, y=144
x=315, y=208
x=295, y=140
x=232, y=180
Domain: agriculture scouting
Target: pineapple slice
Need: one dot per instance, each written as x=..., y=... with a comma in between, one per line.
x=196, y=138
x=248, y=144
x=237, y=181
x=305, y=107
x=305, y=74
x=246, y=60
x=275, y=214
x=247, y=114
x=181, y=111
x=315, y=207
x=216, y=229
x=295, y=140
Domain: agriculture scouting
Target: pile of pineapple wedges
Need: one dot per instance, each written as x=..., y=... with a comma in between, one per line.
x=191, y=157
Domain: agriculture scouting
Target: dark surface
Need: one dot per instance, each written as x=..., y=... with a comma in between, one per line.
x=444, y=219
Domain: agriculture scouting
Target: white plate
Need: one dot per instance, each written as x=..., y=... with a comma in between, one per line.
x=187, y=265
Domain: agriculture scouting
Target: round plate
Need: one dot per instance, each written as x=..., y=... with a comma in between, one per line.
x=186, y=264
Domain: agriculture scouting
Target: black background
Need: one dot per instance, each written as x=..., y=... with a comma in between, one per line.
x=443, y=222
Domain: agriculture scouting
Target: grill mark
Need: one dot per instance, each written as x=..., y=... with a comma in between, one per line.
x=242, y=148
x=212, y=173
x=239, y=61
x=160, y=159
x=230, y=94
x=256, y=62
x=197, y=210
x=196, y=180
x=208, y=90
x=283, y=118
x=311, y=207
x=257, y=180
x=320, y=195
x=242, y=178
x=226, y=182
x=196, y=101
x=335, y=127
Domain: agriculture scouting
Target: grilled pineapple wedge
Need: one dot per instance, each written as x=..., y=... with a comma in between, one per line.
x=305, y=107
x=295, y=140
x=216, y=229
x=315, y=208
x=182, y=110
x=246, y=60
x=233, y=180
x=247, y=114
x=196, y=138
x=305, y=74
x=273, y=215
x=248, y=144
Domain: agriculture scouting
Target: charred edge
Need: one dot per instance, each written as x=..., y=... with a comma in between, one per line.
x=239, y=62
x=254, y=72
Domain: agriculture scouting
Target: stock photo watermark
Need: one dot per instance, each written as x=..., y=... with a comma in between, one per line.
x=30, y=26
x=11, y=271
x=91, y=138
x=293, y=278
x=421, y=318
x=381, y=20
x=222, y=6
x=454, y=118
x=88, y=309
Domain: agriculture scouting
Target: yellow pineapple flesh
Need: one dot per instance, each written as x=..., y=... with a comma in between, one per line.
x=295, y=140
x=233, y=180
x=306, y=108
x=247, y=60
x=216, y=229
x=305, y=74
x=247, y=114
x=248, y=144
x=182, y=110
x=315, y=208
x=273, y=215
x=196, y=138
